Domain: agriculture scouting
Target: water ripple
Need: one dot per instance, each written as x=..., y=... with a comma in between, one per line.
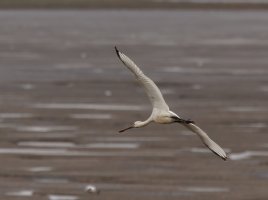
x=113, y=107
x=247, y=155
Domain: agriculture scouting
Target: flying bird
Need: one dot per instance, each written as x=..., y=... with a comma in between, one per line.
x=161, y=113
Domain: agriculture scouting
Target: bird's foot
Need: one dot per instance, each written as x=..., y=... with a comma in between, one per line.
x=189, y=121
x=184, y=121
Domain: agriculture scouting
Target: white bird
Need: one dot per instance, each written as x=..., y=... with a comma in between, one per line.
x=161, y=113
x=92, y=189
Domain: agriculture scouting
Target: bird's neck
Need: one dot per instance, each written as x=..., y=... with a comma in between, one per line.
x=144, y=123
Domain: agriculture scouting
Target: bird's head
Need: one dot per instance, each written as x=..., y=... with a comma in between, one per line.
x=136, y=124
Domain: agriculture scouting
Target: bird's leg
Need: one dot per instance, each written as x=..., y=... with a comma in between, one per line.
x=183, y=121
x=189, y=121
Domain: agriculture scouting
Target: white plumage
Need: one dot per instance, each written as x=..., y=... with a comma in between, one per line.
x=161, y=113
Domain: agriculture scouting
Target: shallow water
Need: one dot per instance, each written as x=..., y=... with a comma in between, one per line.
x=40, y=169
x=21, y=193
x=247, y=109
x=206, y=189
x=248, y=155
x=91, y=116
x=46, y=144
x=74, y=153
x=130, y=139
x=62, y=197
x=89, y=106
x=113, y=145
x=51, y=180
x=44, y=129
x=15, y=115
x=64, y=95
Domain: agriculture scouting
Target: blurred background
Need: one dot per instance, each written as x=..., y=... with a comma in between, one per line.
x=64, y=95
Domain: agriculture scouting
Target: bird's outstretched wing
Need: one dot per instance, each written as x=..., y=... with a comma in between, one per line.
x=151, y=89
x=215, y=148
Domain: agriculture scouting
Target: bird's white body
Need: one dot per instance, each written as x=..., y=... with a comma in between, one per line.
x=162, y=116
x=161, y=113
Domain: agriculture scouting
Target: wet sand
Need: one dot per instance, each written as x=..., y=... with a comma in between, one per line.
x=64, y=95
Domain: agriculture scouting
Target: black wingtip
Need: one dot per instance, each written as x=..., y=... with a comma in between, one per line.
x=117, y=51
x=222, y=157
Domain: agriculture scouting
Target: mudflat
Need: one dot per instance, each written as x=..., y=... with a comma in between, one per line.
x=64, y=95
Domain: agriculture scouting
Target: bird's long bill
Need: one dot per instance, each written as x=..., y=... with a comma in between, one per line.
x=126, y=129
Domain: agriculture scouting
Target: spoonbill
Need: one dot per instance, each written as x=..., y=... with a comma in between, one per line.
x=161, y=113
